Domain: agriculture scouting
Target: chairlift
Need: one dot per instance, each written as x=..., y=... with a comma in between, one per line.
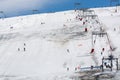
x=2, y=14
x=77, y=4
x=34, y=10
x=115, y=2
x=88, y=12
x=92, y=16
x=110, y=58
x=101, y=34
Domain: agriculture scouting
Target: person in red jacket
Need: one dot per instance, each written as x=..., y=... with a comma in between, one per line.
x=103, y=49
x=92, y=50
x=83, y=23
x=86, y=29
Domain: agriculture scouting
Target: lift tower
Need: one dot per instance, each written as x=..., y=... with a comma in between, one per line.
x=116, y=3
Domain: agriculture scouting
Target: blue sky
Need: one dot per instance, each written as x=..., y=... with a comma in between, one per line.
x=25, y=7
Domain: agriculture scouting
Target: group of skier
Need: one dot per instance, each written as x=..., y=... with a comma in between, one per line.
x=24, y=48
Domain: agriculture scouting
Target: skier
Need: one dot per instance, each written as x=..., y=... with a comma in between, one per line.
x=68, y=50
x=24, y=44
x=67, y=69
x=80, y=19
x=94, y=41
x=11, y=27
x=24, y=49
x=103, y=49
x=83, y=23
x=76, y=17
x=114, y=29
x=86, y=30
x=75, y=68
x=78, y=67
x=18, y=49
x=92, y=50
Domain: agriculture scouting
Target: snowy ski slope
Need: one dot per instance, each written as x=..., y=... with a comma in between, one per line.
x=43, y=46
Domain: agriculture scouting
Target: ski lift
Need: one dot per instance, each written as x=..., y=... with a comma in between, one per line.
x=35, y=11
x=77, y=4
x=3, y=14
x=110, y=59
x=114, y=2
x=92, y=16
x=88, y=12
x=101, y=34
x=98, y=33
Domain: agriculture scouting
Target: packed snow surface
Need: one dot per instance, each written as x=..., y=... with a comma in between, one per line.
x=51, y=46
